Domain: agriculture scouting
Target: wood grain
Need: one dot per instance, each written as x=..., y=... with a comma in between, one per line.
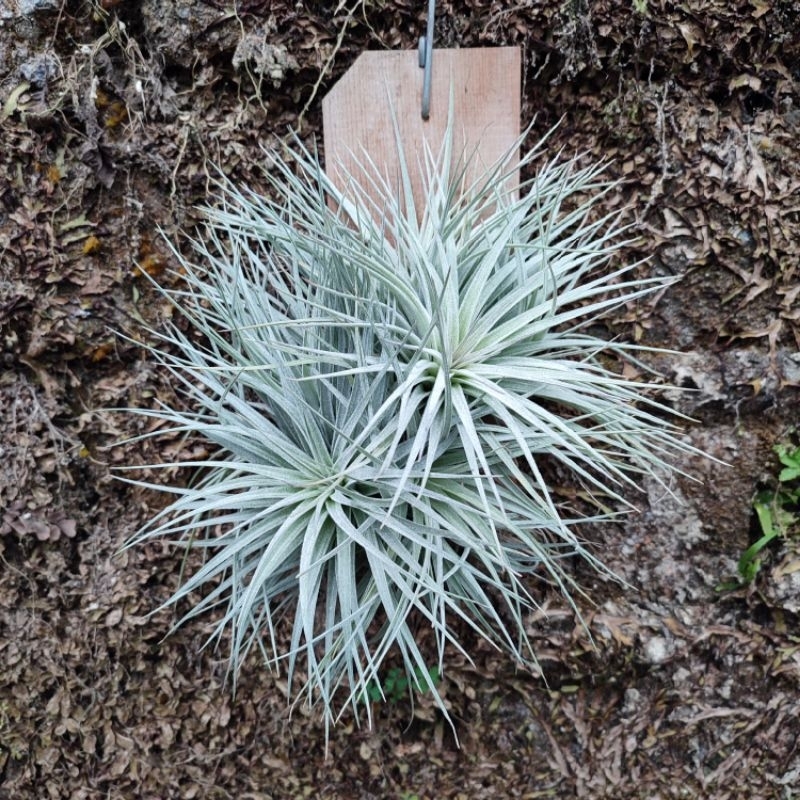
x=357, y=112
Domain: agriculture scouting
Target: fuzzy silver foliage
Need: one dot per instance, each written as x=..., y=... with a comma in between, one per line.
x=381, y=389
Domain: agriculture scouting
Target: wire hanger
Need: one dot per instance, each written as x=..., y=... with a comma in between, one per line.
x=426, y=60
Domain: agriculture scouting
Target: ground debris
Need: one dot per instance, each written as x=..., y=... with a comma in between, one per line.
x=113, y=118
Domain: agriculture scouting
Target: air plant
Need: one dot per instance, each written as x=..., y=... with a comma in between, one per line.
x=387, y=391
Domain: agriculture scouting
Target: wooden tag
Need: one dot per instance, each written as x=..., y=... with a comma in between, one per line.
x=357, y=112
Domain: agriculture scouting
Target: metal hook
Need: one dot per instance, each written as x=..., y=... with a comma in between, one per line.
x=426, y=60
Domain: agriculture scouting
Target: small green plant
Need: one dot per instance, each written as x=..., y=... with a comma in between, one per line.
x=789, y=456
x=386, y=391
x=777, y=511
x=398, y=683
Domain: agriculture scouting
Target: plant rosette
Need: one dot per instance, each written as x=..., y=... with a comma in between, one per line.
x=386, y=390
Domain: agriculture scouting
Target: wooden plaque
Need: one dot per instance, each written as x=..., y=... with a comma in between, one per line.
x=357, y=112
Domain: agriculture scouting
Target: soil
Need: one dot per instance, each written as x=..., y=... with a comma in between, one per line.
x=113, y=116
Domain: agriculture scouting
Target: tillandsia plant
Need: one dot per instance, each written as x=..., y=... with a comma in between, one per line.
x=382, y=387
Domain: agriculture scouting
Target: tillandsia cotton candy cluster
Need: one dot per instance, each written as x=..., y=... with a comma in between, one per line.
x=381, y=386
